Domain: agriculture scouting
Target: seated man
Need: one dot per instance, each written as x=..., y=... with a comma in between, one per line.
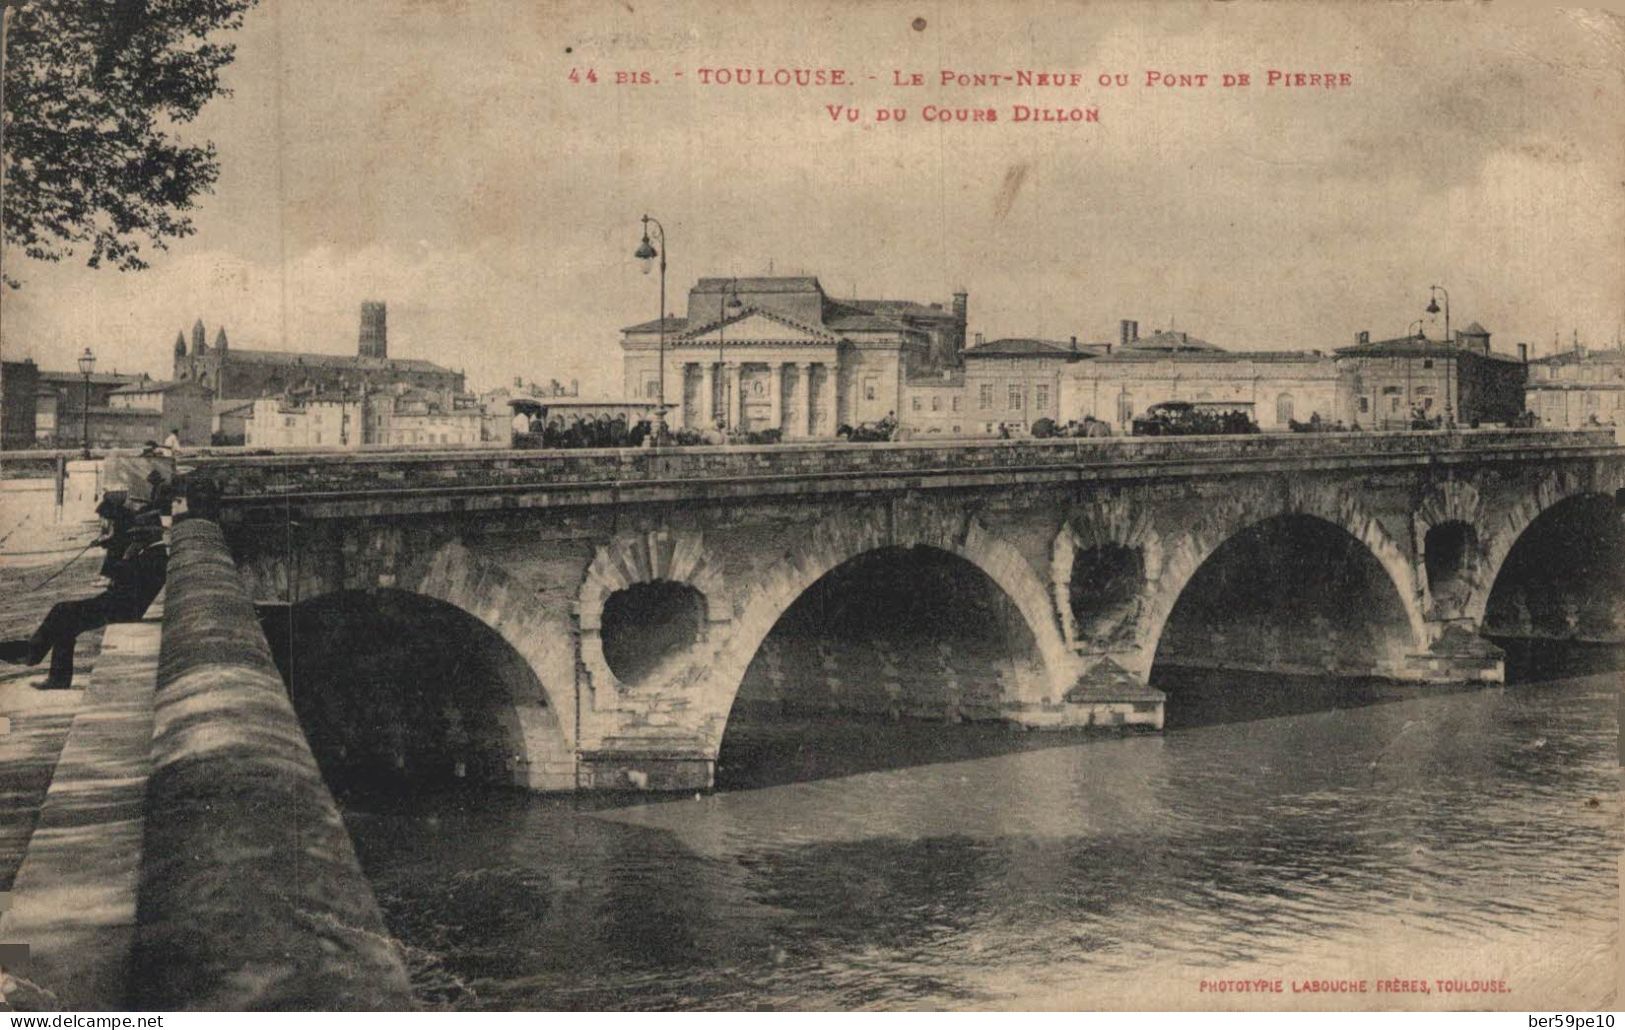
x=136, y=564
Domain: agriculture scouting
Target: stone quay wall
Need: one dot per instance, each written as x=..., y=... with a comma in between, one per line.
x=251, y=897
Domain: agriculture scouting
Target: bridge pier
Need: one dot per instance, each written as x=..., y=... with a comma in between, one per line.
x=1104, y=694
x=1458, y=655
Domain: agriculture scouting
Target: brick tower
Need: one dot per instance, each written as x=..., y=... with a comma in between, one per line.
x=374, y=331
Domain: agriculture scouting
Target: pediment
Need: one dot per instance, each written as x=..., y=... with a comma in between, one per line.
x=758, y=326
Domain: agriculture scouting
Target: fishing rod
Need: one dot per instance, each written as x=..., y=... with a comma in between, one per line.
x=65, y=565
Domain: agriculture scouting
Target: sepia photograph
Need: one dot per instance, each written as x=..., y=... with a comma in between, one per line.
x=1011, y=505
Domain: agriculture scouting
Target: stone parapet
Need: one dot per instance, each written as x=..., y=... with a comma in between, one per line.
x=251, y=896
x=364, y=484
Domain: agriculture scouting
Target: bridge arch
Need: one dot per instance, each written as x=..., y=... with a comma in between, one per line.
x=837, y=540
x=451, y=575
x=1228, y=517
x=1604, y=480
x=1449, y=531
x=397, y=684
x=1290, y=592
x=1560, y=571
x=1104, y=558
x=661, y=582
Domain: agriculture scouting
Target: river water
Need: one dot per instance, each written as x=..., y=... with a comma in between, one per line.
x=1276, y=831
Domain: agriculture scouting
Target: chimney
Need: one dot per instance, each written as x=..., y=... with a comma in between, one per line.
x=1523, y=353
x=1362, y=337
x=1074, y=345
x=1128, y=331
x=374, y=330
x=961, y=305
x=978, y=339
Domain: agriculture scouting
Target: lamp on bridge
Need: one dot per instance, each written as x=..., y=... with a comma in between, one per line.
x=731, y=296
x=1433, y=309
x=647, y=254
x=87, y=364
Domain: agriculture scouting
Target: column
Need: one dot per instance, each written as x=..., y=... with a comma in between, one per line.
x=732, y=384
x=831, y=416
x=803, y=424
x=708, y=396
x=775, y=387
x=682, y=395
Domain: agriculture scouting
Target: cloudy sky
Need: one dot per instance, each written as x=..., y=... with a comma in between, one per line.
x=434, y=154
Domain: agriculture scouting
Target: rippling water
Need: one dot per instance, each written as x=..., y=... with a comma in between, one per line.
x=1471, y=835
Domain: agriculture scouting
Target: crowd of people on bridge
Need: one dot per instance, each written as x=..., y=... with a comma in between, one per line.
x=560, y=433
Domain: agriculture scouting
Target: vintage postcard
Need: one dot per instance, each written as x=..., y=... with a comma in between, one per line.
x=1014, y=504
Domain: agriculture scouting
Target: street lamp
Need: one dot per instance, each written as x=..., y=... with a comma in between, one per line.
x=1433, y=309
x=731, y=296
x=87, y=362
x=647, y=253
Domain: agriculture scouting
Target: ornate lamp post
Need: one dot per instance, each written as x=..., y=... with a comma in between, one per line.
x=87, y=362
x=647, y=253
x=730, y=295
x=1450, y=357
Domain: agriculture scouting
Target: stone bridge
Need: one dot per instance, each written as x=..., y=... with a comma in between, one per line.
x=624, y=597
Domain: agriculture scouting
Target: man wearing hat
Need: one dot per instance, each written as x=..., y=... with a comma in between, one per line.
x=136, y=563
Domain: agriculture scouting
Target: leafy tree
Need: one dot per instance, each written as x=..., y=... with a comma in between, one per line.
x=94, y=91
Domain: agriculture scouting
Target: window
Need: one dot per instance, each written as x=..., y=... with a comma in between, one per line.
x=985, y=398
x=956, y=429
x=916, y=403
x=1041, y=397
x=936, y=403
x=1283, y=409
x=956, y=405
x=868, y=389
x=1427, y=362
x=1017, y=396
x=1365, y=405
x=651, y=388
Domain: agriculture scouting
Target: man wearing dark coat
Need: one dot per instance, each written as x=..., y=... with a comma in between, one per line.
x=136, y=563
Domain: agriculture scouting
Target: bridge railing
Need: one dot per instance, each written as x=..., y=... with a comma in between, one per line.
x=250, y=896
x=262, y=475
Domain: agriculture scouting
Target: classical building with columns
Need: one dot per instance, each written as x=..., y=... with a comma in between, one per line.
x=779, y=353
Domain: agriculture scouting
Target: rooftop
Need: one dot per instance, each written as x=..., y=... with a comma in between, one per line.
x=672, y=322
x=155, y=386
x=760, y=284
x=1026, y=346
x=1168, y=341
x=1417, y=346
x=287, y=357
x=1583, y=356
x=96, y=378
